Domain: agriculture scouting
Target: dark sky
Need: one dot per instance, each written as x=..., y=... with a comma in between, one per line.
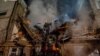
x=28, y=2
x=67, y=7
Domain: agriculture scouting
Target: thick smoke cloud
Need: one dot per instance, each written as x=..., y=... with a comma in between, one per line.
x=42, y=11
x=85, y=21
x=50, y=10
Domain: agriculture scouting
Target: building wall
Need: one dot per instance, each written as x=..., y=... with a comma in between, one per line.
x=19, y=11
x=8, y=7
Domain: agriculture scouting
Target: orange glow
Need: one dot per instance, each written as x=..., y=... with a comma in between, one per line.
x=54, y=48
x=20, y=34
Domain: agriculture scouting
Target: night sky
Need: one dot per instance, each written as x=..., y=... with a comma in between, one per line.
x=67, y=10
x=67, y=7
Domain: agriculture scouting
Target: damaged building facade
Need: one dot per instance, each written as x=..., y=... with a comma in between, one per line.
x=79, y=37
x=15, y=11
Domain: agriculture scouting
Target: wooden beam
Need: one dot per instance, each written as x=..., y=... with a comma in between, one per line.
x=4, y=17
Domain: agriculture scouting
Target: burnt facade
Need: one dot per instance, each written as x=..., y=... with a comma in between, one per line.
x=15, y=12
x=21, y=40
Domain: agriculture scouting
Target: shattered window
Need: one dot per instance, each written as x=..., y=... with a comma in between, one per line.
x=15, y=51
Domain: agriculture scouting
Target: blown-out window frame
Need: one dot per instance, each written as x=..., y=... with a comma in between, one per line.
x=15, y=51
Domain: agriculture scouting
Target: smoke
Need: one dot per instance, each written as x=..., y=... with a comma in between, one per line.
x=67, y=10
x=85, y=21
x=42, y=11
x=76, y=11
x=80, y=4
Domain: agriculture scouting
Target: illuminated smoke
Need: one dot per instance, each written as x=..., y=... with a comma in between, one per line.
x=42, y=11
x=85, y=21
x=75, y=10
x=80, y=4
x=67, y=10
